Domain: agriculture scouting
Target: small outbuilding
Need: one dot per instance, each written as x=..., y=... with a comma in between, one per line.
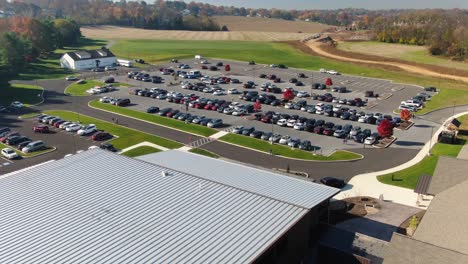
x=88, y=59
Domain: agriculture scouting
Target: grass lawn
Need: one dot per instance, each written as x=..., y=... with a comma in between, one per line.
x=140, y=151
x=411, y=53
x=156, y=119
x=204, y=152
x=29, y=115
x=284, y=151
x=76, y=89
x=269, y=52
x=126, y=136
x=408, y=178
x=27, y=94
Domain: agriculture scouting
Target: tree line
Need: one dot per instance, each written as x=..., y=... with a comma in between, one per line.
x=164, y=15
x=24, y=39
x=444, y=32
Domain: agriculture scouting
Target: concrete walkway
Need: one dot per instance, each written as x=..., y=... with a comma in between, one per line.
x=148, y=144
x=463, y=153
x=368, y=185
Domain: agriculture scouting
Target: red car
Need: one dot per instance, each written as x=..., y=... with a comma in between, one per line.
x=204, y=67
x=4, y=138
x=318, y=130
x=41, y=129
x=207, y=107
x=214, y=108
x=328, y=132
x=101, y=136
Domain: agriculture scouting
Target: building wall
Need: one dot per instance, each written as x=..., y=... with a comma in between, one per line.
x=67, y=62
x=89, y=64
x=295, y=245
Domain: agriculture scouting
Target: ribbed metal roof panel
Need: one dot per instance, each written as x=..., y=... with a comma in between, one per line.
x=99, y=207
x=287, y=189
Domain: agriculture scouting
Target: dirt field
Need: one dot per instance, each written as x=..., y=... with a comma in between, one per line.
x=327, y=51
x=113, y=32
x=259, y=24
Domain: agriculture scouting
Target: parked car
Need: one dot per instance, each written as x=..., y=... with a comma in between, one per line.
x=16, y=104
x=99, y=136
x=215, y=123
x=73, y=127
x=333, y=182
x=275, y=138
x=71, y=78
x=370, y=140
x=87, y=130
x=41, y=129
x=9, y=153
x=285, y=140
x=123, y=102
x=34, y=146
x=108, y=146
x=152, y=109
x=15, y=140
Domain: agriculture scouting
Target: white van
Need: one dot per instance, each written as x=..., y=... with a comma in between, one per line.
x=195, y=73
x=33, y=146
x=198, y=57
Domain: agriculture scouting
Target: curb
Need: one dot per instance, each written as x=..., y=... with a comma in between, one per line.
x=284, y=157
x=40, y=154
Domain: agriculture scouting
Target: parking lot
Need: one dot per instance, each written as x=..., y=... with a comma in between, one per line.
x=65, y=143
x=390, y=96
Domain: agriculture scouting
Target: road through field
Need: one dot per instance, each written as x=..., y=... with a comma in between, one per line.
x=315, y=46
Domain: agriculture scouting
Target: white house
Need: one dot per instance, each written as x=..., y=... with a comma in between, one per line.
x=88, y=59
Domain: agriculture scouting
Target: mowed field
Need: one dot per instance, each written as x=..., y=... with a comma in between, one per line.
x=113, y=32
x=260, y=24
x=410, y=53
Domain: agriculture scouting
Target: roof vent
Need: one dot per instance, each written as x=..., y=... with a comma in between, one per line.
x=102, y=53
x=164, y=173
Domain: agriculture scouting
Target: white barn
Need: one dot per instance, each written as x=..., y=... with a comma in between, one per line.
x=88, y=59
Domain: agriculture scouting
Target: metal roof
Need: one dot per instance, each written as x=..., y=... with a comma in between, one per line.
x=97, y=207
x=287, y=189
x=448, y=173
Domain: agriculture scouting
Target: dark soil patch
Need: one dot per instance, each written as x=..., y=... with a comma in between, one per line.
x=350, y=208
x=405, y=125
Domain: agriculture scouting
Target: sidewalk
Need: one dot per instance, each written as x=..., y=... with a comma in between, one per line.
x=149, y=144
x=368, y=185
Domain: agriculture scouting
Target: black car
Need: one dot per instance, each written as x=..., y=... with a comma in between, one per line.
x=213, y=68
x=430, y=89
x=333, y=182
x=15, y=140
x=108, y=146
x=205, y=121
x=164, y=111
x=123, y=102
x=247, y=131
x=256, y=134
x=219, y=64
x=299, y=83
x=305, y=145
x=152, y=109
x=23, y=144
x=282, y=66
x=301, y=75
x=251, y=62
x=293, y=80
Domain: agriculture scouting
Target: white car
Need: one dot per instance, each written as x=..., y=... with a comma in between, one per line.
x=239, y=112
x=17, y=104
x=65, y=124
x=265, y=85
x=362, y=119
x=235, y=104
x=105, y=99
x=87, y=130
x=282, y=122
x=369, y=140
x=204, y=62
x=333, y=72
x=219, y=92
x=302, y=94
x=291, y=122
x=73, y=127
x=299, y=126
x=233, y=91
x=228, y=111
x=285, y=140
x=337, y=108
x=323, y=70
x=273, y=65
x=9, y=153
x=319, y=106
x=71, y=78
x=288, y=105
x=93, y=91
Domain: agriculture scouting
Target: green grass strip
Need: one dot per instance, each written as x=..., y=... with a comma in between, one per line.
x=140, y=151
x=156, y=119
x=126, y=136
x=284, y=151
x=204, y=152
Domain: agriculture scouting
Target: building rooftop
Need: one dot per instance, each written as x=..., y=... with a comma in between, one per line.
x=448, y=173
x=403, y=249
x=98, y=207
x=283, y=188
x=90, y=54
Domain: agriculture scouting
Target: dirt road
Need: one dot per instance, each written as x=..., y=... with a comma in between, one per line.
x=315, y=46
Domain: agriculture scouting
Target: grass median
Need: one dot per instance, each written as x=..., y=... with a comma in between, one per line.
x=284, y=151
x=204, y=152
x=126, y=136
x=408, y=177
x=79, y=89
x=27, y=155
x=156, y=119
x=140, y=151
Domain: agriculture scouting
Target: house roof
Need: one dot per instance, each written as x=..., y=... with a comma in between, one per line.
x=444, y=223
x=90, y=54
x=449, y=172
x=403, y=249
x=98, y=206
x=283, y=188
